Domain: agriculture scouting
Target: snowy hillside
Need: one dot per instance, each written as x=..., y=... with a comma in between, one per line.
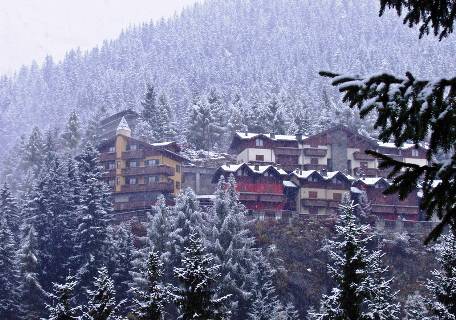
x=246, y=51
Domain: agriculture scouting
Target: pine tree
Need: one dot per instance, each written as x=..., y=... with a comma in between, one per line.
x=63, y=301
x=32, y=152
x=102, y=303
x=120, y=258
x=71, y=136
x=93, y=213
x=31, y=294
x=415, y=110
x=361, y=291
x=149, y=304
x=233, y=246
x=442, y=284
x=50, y=210
x=200, y=128
x=9, y=277
x=196, y=296
x=9, y=210
x=415, y=308
x=265, y=303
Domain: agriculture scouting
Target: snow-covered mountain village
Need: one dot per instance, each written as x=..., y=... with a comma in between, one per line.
x=238, y=159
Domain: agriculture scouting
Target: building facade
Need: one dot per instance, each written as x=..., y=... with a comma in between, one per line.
x=336, y=149
x=138, y=171
x=260, y=187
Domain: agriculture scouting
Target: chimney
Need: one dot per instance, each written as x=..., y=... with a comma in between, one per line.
x=323, y=172
x=272, y=135
x=299, y=137
x=246, y=133
x=256, y=167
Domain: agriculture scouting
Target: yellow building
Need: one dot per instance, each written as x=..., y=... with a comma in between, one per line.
x=138, y=171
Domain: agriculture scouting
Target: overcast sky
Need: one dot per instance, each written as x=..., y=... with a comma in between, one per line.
x=31, y=29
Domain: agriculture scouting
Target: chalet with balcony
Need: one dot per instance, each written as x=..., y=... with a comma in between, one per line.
x=320, y=192
x=388, y=207
x=335, y=149
x=138, y=171
x=260, y=187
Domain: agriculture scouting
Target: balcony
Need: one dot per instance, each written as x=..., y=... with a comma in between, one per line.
x=272, y=198
x=133, y=154
x=314, y=203
x=369, y=172
x=152, y=170
x=357, y=155
x=287, y=151
x=157, y=186
x=314, y=152
x=248, y=196
x=107, y=156
x=317, y=167
x=110, y=173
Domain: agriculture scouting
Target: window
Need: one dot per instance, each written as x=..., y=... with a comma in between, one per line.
x=259, y=157
x=336, y=181
x=111, y=182
x=313, y=160
x=313, y=194
x=153, y=179
x=131, y=180
x=178, y=168
x=118, y=164
x=337, y=196
x=364, y=164
x=259, y=142
x=132, y=147
x=111, y=165
x=313, y=178
x=133, y=163
x=178, y=185
x=112, y=149
x=415, y=153
x=152, y=162
x=118, y=180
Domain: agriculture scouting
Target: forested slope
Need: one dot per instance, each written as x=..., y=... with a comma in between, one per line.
x=248, y=51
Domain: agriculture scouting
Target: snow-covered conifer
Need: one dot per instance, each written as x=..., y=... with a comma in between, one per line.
x=9, y=275
x=200, y=127
x=71, y=135
x=415, y=308
x=442, y=284
x=362, y=290
x=9, y=210
x=31, y=294
x=102, y=304
x=63, y=306
x=149, y=304
x=196, y=296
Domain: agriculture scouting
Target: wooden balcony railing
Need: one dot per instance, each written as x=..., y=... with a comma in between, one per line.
x=157, y=186
x=287, y=151
x=110, y=173
x=160, y=169
x=133, y=154
x=369, y=172
x=359, y=155
x=272, y=198
x=314, y=152
x=107, y=156
x=314, y=203
x=315, y=167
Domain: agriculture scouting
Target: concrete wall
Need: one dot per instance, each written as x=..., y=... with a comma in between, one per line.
x=199, y=179
x=339, y=145
x=249, y=154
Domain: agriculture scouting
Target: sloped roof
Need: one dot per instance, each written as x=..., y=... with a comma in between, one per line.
x=304, y=174
x=261, y=168
x=276, y=137
x=371, y=181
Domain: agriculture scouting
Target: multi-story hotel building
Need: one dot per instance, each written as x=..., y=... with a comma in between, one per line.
x=138, y=171
x=336, y=149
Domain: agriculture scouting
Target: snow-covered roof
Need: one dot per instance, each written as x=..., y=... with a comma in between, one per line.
x=289, y=184
x=162, y=144
x=371, y=181
x=123, y=125
x=356, y=190
x=254, y=168
x=304, y=174
x=403, y=146
x=277, y=137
